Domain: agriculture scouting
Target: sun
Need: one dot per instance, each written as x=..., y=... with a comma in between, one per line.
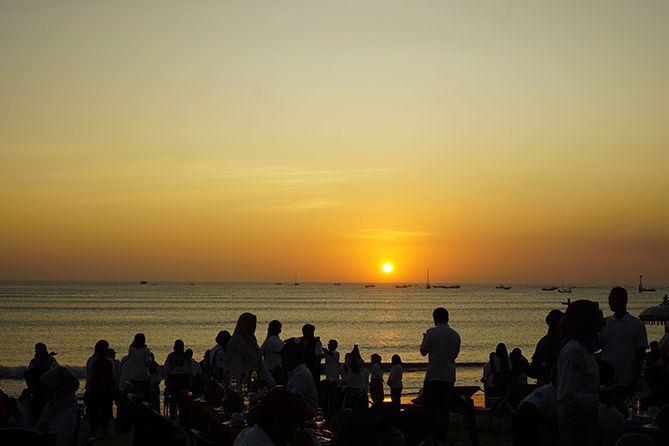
x=387, y=268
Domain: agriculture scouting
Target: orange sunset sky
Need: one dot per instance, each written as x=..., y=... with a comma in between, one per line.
x=490, y=141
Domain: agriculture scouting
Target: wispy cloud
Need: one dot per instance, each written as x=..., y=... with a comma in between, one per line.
x=390, y=234
x=281, y=176
x=306, y=205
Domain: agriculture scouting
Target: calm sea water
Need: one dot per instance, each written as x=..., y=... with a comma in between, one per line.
x=71, y=316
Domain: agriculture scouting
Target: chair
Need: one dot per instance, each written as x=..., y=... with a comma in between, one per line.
x=198, y=438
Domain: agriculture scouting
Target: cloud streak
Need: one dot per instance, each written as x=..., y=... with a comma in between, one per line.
x=390, y=234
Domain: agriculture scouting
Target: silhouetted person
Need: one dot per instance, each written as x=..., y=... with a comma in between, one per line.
x=547, y=350
x=312, y=351
x=60, y=414
x=42, y=362
x=578, y=375
x=487, y=379
x=357, y=382
x=376, y=381
x=100, y=387
x=519, y=366
x=177, y=370
x=624, y=341
x=271, y=349
x=216, y=358
x=441, y=344
x=332, y=362
x=280, y=416
x=195, y=368
x=300, y=380
x=502, y=377
x=330, y=387
x=653, y=356
x=137, y=366
x=242, y=355
x=536, y=421
x=395, y=382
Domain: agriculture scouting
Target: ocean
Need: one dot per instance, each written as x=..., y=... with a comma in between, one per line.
x=71, y=316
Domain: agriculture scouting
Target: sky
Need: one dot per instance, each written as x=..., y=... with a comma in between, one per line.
x=489, y=141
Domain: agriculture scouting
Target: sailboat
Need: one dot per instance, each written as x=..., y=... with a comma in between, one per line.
x=427, y=282
x=296, y=283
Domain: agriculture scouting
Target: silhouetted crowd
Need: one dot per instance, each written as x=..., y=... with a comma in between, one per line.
x=588, y=371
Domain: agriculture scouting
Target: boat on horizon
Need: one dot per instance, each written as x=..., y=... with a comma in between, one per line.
x=143, y=282
x=564, y=290
x=370, y=286
x=503, y=287
x=642, y=289
x=549, y=288
x=427, y=281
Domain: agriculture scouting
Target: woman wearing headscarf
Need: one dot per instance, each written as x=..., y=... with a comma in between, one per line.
x=578, y=375
x=243, y=353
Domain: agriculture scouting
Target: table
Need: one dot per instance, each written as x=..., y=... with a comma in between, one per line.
x=200, y=415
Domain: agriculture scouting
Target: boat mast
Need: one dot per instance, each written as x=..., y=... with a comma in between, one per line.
x=427, y=283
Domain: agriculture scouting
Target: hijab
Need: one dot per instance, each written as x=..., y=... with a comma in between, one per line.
x=243, y=342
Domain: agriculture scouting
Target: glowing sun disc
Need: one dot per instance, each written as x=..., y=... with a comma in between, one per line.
x=387, y=268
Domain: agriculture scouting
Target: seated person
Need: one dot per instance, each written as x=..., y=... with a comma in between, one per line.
x=60, y=415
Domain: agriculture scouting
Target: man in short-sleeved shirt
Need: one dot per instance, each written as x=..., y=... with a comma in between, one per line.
x=624, y=340
x=441, y=344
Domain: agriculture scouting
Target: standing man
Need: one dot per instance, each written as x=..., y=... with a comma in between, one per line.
x=442, y=345
x=624, y=341
x=312, y=351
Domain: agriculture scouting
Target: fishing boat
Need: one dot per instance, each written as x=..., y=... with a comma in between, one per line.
x=564, y=290
x=503, y=287
x=370, y=286
x=549, y=288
